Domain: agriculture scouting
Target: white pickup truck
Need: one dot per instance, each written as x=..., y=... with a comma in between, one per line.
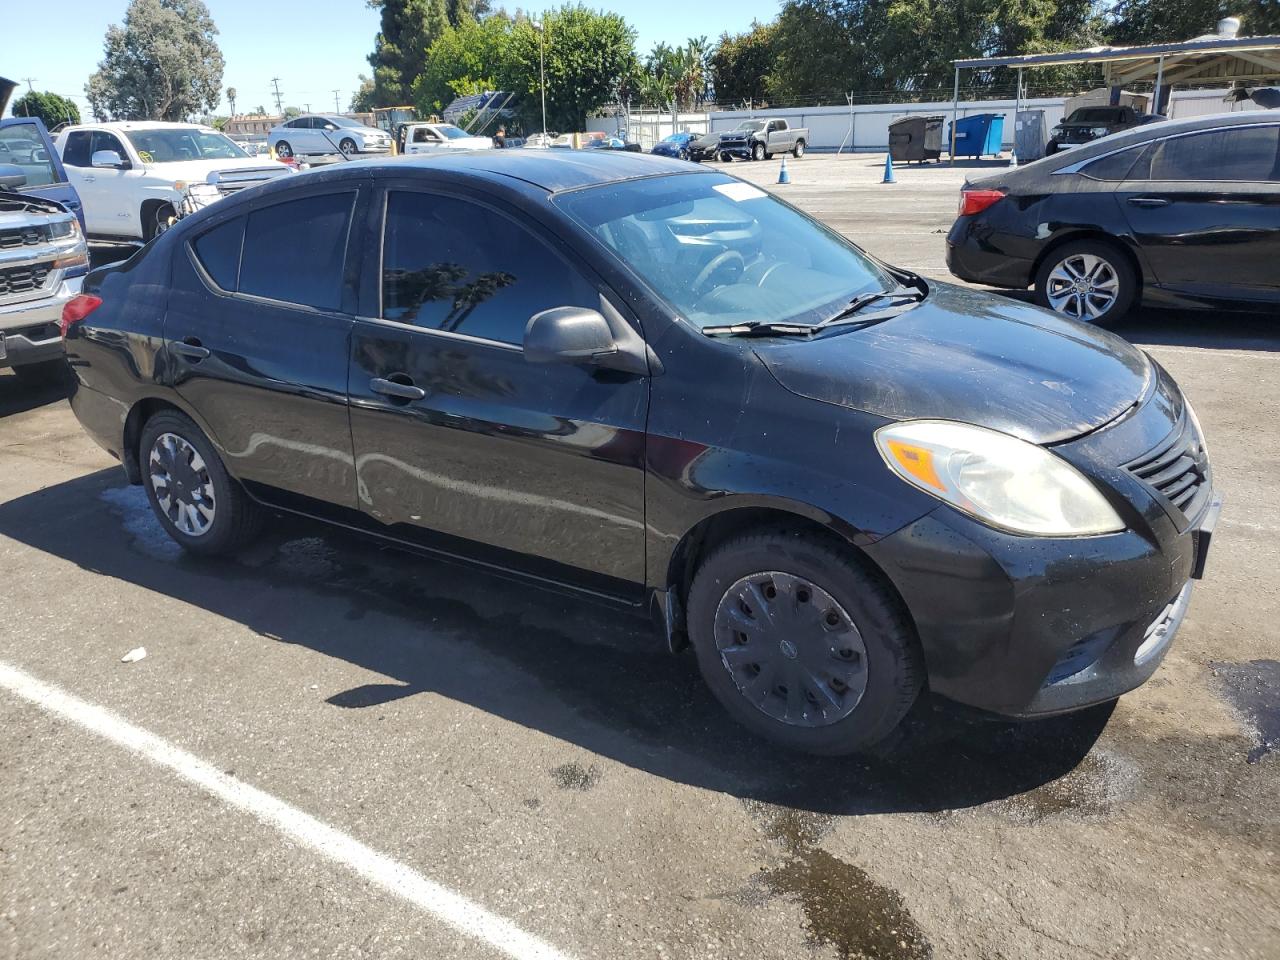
x=134, y=176
x=433, y=137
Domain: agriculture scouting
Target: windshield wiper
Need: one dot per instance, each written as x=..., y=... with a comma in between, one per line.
x=896, y=296
x=760, y=328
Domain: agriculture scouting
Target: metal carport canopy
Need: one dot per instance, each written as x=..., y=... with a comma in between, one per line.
x=1205, y=59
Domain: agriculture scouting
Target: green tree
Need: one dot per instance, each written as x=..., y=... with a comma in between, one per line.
x=472, y=57
x=362, y=100
x=740, y=64
x=588, y=54
x=49, y=107
x=395, y=58
x=1161, y=21
x=162, y=64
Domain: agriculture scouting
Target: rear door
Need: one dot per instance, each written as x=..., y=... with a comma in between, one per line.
x=257, y=336
x=25, y=142
x=1205, y=208
x=463, y=445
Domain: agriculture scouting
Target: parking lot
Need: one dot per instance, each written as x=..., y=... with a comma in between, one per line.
x=362, y=753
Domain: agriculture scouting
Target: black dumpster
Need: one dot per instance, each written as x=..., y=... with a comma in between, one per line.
x=916, y=138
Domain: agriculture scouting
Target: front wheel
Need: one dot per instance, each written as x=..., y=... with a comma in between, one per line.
x=199, y=504
x=802, y=643
x=1090, y=280
x=758, y=152
x=348, y=147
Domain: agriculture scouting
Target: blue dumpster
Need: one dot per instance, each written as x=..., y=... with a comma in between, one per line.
x=978, y=136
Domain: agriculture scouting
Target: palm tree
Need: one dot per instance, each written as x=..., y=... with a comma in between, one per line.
x=231, y=99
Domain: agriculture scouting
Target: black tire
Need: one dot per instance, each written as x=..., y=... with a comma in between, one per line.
x=758, y=152
x=236, y=518
x=890, y=656
x=155, y=219
x=798, y=152
x=283, y=149
x=1051, y=148
x=348, y=147
x=1050, y=279
x=45, y=373
x=726, y=157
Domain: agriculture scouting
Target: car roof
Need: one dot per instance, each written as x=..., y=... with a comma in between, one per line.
x=553, y=170
x=136, y=125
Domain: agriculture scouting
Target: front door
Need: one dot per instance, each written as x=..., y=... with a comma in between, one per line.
x=25, y=143
x=108, y=211
x=462, y=444
x=257, y=344
x=1205, y=207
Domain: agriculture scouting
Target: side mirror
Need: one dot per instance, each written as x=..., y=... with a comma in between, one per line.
x=106, y=158
x=331, y=126
x=568, y=335
x=583, y=336
x=11, y=177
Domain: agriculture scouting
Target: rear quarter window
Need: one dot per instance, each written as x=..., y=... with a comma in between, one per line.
x=218, y=251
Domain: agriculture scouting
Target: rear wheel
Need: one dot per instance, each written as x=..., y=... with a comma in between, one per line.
x=199, y=504
x=1089, y=280
x=284, y=150
x=798, y=152
x=802, y=643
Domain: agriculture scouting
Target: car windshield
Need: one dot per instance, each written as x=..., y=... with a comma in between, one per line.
x=344, y=122
x=1094, y=115
x=721, y=251
x=751, y=125
x=176, y=145
x=675, y=138
x=452, y=132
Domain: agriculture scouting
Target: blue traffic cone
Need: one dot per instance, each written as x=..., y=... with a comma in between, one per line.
x=783, y=176
x=888, y=169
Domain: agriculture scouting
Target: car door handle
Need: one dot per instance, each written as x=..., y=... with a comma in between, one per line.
x=393, y=388
x=89, y=179
x=1149, y=201
x=191, y=349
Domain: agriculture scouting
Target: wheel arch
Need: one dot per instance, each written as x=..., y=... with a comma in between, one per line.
x=1111, y=240
x=705, y=536
x=142, y=411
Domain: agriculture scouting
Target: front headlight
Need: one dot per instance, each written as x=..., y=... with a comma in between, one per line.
x=1098, y=131
x=996, y=478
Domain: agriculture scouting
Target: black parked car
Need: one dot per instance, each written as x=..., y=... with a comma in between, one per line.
x=665, y=389
x=1184, y=213
x=1087, y=124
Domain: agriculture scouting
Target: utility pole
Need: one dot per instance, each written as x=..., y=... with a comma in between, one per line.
x=30, y=89
x=275, y=82
x=336, y=108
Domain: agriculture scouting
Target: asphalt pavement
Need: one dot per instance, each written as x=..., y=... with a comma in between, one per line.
x=335, y=749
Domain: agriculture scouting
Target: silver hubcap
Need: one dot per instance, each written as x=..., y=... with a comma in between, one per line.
x=791, y=649
x=180, y=480
x=1083, y=287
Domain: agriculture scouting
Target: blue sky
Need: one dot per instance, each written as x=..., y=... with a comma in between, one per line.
x=312, y=47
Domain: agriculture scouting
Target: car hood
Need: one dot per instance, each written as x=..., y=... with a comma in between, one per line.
x=200, y=169
x=973, y=357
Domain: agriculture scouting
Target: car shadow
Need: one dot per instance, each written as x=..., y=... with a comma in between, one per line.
x=19, y=396
x=575, y=671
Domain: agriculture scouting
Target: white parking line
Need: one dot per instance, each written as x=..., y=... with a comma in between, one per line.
x=396, y=878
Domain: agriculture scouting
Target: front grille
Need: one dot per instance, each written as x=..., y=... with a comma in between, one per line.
x=26, y=279
x=1177, y=469
x=21, y=237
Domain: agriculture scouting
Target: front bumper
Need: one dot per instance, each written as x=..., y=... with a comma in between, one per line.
x=29, y=330
x=1029, y=627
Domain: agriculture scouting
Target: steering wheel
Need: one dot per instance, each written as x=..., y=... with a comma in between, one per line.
x=718, y=262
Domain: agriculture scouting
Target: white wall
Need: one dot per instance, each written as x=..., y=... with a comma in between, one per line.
x=829, y=127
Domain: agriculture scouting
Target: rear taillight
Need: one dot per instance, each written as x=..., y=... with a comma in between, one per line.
x=975, y=201
x=76, y=309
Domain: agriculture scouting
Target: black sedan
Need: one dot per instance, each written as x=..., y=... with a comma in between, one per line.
x=1183, y=213
x=664, y=389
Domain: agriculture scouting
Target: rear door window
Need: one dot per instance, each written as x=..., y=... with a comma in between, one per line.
x=295, y=251
x=1246, y=154
x=218, y=251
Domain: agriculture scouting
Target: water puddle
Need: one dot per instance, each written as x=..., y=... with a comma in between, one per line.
x=1097, y=784
x=844, y=908
x=1253, y=690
